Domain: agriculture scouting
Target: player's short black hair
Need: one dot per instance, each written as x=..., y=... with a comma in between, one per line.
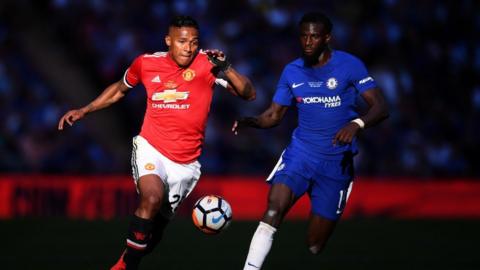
x=183, y=21
x=317, y=17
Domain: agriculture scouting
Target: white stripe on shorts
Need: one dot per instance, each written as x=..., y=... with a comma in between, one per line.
x=134, y=160
x=276, y=167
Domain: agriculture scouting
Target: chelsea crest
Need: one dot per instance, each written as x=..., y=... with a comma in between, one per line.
x=332, y=83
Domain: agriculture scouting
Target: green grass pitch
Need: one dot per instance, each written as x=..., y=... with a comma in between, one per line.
x=52, y=244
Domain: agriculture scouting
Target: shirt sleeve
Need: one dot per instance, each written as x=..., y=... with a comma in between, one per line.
x=359, y=76
x=283, y=95
x=212, y=79
x=211, y=72
x=132, y=75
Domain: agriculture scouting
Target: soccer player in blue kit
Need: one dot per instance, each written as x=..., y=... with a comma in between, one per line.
x=323, y=84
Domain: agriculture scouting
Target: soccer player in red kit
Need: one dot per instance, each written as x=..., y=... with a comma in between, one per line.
x=179, y=85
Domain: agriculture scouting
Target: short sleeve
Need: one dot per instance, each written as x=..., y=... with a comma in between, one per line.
x=283, y=95
x=211, y=73
x=212, y=76
x=359, y=76
x=132, y=75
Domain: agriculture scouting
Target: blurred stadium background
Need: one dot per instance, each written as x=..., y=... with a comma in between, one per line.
x=65, y=196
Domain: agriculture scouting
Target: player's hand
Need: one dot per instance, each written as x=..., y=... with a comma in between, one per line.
x=346, y=134
x=238, y=124
x=243, y=122
x=218, y=59
x=236, y=127
x=70, y=117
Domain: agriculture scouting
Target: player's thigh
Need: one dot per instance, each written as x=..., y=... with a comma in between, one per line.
x=151, y=188
x=280, y=196
x=319, y=231
x=331, y=187
x=182, y=179
x=286, y=188
x=280, y=199
x=146, y=161
x=288, y=182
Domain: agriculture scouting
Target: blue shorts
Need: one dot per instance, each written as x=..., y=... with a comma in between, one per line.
x=327, y=181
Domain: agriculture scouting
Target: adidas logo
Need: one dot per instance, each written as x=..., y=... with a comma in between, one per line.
x=156, y=79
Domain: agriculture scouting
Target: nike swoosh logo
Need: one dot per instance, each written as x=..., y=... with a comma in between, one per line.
x=295, y=85
x=216, y=220
x=253, y=265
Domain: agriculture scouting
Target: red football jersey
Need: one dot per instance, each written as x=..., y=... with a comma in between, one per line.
x=178, y=102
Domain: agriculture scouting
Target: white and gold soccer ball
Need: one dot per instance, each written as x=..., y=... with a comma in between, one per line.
x=211, y=214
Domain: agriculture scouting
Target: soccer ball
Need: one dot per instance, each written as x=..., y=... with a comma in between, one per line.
x=211, y=214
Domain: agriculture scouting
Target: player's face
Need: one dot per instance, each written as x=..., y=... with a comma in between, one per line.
x=182, y=44
x=313, y=39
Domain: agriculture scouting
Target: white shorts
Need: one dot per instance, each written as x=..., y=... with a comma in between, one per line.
x=179, y=179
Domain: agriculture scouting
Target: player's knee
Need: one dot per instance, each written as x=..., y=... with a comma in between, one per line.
x=273, y=216
x=275, y=208
x=316, y=247
x=315, y=250
x=152, y=201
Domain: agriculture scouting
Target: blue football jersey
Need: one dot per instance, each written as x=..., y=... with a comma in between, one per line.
x=325, y=97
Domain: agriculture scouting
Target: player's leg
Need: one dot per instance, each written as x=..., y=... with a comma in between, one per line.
x=280, y=200
x=159, y=225
x=151, y=189
x=288, y=185
x=148, y=172
x=328, y=195
x=143, y=234
x=319, y=231
x=182, y=179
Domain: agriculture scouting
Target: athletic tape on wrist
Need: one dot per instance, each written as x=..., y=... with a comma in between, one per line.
x=359, y=122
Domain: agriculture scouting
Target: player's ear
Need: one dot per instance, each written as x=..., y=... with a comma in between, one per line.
x=168, y=40
x=328, y=37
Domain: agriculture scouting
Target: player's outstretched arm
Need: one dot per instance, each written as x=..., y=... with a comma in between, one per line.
x=110, y=95
x=239, y=84
x=377, y=112
x=378, y=109
x=269, y=118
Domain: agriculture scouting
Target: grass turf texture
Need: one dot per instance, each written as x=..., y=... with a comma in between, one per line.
x=356, y=244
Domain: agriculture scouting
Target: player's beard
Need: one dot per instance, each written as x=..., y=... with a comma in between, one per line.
x=314, y=58
x=189, y=62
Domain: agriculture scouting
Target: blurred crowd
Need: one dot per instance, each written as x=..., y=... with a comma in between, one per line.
x=425, y=56
x=30, y=110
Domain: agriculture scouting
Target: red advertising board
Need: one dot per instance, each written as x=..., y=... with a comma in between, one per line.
x=106, y=197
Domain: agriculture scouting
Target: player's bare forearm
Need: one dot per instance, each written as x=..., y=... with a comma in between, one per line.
x=251, y=121
x=265, y=120
x=269, y=118
x=376, y=113
x=110, y=95
x=378, y=109
x=242, y=86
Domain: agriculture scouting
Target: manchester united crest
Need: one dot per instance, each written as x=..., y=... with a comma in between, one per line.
x=149, y=166
x=188, y=75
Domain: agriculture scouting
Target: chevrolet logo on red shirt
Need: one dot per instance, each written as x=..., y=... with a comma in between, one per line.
x=170, y=95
